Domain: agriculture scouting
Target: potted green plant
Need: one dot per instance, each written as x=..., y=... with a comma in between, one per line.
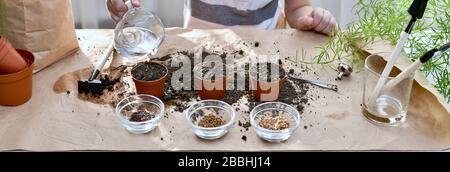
x=385, y=19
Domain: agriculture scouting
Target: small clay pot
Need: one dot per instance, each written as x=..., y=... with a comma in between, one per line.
x=16, y=88
x=266, y=91
x=10, y=60
x=154, y=88
x=212, y=89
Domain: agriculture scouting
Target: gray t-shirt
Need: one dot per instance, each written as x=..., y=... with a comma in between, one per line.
x=214, y=14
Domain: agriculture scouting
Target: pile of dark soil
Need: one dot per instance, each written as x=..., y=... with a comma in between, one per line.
x=141, y=116
x=96, y=90
x=179, y=98
x=293, y=92
x=289, y=95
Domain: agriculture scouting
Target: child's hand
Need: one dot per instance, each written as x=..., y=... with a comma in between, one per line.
x=117, y=8
x=318, y=19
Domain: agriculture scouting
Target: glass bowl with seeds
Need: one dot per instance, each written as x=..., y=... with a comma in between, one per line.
x=140, y=114
x=274, y=121
x=211, y=119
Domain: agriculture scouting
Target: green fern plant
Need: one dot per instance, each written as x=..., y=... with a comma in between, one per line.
x=386, y=19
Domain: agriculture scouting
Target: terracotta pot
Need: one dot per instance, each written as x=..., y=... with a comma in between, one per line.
x=212, y=89
x=266, y=91
x=154, y=88
x=10, y=60
x=16, y=88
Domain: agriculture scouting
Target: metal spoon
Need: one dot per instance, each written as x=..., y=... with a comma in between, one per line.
x=316, y=83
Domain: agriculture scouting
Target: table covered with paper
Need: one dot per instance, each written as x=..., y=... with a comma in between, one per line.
x=56, y=118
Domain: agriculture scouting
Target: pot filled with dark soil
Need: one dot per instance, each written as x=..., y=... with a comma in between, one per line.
x=211, y=80
x=267, y=80
x=149, y=78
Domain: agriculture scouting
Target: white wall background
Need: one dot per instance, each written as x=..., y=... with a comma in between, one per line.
x=91, y=14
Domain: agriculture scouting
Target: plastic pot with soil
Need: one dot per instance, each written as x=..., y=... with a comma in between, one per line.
x=149, y=78
x=11, y=61
x=211, y=81
x=16, y=88
x=267, y=80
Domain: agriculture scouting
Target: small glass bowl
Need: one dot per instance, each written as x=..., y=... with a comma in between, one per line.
x=220, y=109
x=136, y=103
x=274, y=109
